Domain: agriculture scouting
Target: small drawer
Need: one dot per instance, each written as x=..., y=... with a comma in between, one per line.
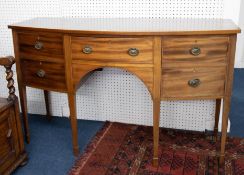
x=45, y=75
x=194, y=51
x=123, y=50
x=193, y=82
x=41, y=47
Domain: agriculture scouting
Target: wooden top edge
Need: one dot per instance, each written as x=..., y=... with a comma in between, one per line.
x=129, y=26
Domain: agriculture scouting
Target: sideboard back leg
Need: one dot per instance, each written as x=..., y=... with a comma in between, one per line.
x=216, y=124
x=46, y=97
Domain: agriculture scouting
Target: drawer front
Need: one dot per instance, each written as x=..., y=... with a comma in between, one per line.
x=7, y=141
x=45, y=75
x=125, y=50
x=41, y=47
x=194, y=51
x=193, y=82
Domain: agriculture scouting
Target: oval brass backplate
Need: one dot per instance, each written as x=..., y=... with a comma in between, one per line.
x=41, y=73
x=195, y=51
x=194, y=82
x=38, y=45
x=133, y=51
x=87, y=50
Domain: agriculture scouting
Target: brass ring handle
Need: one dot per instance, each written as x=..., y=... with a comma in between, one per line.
x=133, y=51
x=9, y=133
x=41, y=73
x=38, y=45
x=195, y=51
x=194, y=82
x=87, y=50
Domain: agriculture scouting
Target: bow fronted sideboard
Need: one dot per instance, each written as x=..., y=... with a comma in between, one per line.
x=176, y=59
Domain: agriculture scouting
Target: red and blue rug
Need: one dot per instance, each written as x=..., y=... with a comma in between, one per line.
x=123, y=149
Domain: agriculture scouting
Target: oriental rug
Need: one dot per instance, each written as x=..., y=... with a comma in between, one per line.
x=123, y=149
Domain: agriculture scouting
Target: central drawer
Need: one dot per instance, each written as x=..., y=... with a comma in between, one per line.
x=123, y=50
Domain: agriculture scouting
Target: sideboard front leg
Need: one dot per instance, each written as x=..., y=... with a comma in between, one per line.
x=156, y=96
x=46, y=97
x=73, y=121
x=226, y=110
x=227, y=98
x=156, y=117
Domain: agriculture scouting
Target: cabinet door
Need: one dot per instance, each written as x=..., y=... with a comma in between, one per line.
x=7, y=140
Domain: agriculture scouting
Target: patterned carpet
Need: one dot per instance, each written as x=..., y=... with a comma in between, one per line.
x=122, y=149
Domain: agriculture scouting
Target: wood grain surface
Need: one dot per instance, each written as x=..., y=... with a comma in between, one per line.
x=129, y=26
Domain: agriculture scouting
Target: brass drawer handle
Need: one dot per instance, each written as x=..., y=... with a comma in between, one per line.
x=38, y=45
x=9, y=133
x=194, y=82
x=41, y=73
x=133, y=51
x=87, y=50
x=195, y=51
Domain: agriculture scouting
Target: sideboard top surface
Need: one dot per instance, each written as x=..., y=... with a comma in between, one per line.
x=130, y=26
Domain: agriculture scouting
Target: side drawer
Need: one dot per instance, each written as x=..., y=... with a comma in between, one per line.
x=193, y=82
x=123, y=50
x=41, y=46
x=183, y=51
x=45, y=75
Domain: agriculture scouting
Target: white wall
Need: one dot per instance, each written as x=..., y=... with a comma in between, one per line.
x=115, y=94
x=240, y=41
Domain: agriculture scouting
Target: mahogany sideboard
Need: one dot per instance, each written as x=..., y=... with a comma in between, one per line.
x=177, y=59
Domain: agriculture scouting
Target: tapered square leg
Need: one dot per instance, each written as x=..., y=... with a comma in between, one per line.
x=156, y=117
x=227, y=98
x=226, y=109
x=73, y=121
x=46, y=97
x=216, y=124
x=23, y=104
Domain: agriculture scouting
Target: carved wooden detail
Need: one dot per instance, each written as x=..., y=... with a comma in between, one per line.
x=7, y=62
